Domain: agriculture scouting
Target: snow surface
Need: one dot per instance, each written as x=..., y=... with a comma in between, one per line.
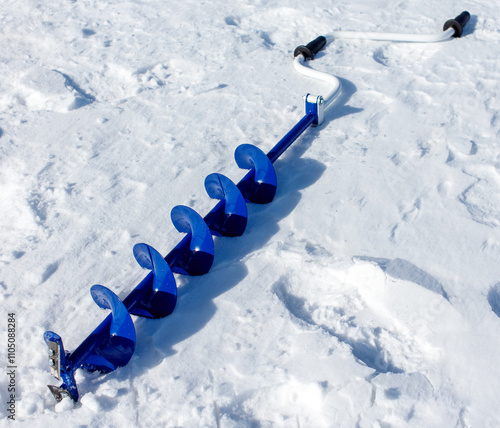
x=366, y=294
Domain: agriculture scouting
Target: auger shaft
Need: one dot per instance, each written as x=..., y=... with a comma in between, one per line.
x=112, y=343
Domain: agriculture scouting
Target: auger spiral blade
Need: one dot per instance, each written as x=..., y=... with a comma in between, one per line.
x=118, y=340
x=156, y=295
x=197, y=258
x=233, y=221
x=259, y=187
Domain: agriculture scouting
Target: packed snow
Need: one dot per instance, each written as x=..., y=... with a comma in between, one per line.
x=367, y=294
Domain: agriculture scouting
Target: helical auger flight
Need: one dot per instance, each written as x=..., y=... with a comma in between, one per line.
x=112, y=343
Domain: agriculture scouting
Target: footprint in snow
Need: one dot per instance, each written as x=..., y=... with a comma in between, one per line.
x=365, y=347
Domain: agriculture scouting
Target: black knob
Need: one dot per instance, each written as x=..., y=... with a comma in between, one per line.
x=458, y=23
x=311, y=49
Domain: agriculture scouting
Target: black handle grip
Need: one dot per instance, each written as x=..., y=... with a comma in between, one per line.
x=458, y=23
x=311, y=49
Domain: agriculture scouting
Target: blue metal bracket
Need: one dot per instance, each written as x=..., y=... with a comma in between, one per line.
x=315, y=105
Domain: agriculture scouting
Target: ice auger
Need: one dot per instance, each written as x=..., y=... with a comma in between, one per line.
x=112, y=343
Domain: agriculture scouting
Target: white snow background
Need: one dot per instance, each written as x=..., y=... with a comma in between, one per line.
x=367, y=294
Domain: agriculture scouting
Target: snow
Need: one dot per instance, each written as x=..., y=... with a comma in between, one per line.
x=366, y=294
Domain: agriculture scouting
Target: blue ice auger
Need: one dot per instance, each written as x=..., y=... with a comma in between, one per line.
x=112, y=343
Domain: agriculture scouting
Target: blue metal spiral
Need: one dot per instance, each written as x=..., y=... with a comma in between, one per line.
x=112, y=343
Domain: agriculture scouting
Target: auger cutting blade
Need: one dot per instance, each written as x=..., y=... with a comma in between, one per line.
x=58, y=392
x=61, y=367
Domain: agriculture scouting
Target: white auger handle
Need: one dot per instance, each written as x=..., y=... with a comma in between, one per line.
x=305, y=52
x=452, y=28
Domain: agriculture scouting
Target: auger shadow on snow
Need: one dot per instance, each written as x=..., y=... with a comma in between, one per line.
x=470, y=27
x=403, y=269
x=195, y=306
x=369, y=354
x=339, y=107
